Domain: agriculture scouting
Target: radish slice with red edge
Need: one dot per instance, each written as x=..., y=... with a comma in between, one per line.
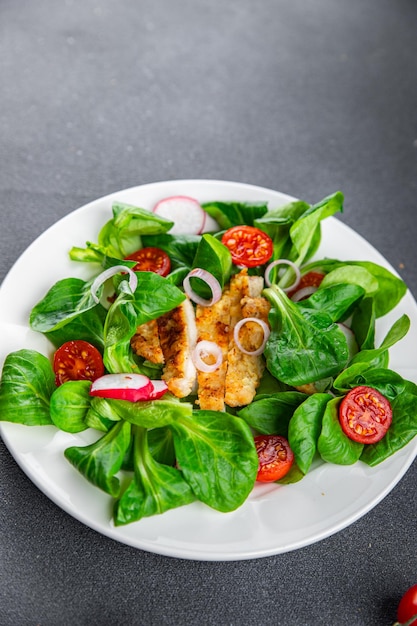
x=204, y=351
x=264, y=327
x=187, y=214
x=132, y=387
x=210, y=280
x=296, y=269
x=159, y=389
x=109, y=273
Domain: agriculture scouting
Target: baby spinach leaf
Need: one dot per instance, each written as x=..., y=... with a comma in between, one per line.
x=390, y=291
x=69, y=405
x=228, y=214
x=355, y=275
x=305, y=427
x=215, y=258
x=402, y=430
x=154, y=488
x=153, y=297
x=87, y=326
x=304, y=232
x=153, y=413
x=301, y=350
x=101, y=414
x=181, y=249
x=223, y=443
x=277, y=223
x=65, y=300
x=161, y=445
x=333, y=445
x=100, y=461
x=337, y=300
x=271, y=415
x=363, y=323
x=121, y=235
x=376, y=356
x=26, y=386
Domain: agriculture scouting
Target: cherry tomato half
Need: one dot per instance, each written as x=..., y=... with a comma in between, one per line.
x=77, y=360
x=249, y=246
x=365, y=415
x=407, y=607
x=151, y=260
x=275, y=457
x=311, y=279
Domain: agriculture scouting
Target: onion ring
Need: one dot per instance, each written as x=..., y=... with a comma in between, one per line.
x=210, y=280
x=206, y=349
x=112, y=271
x=283, y=262
x=302, y=293
x=265, y=329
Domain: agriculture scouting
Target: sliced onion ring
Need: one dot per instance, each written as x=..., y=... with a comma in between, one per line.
x=264, y=327
x=302, y=293
x=283, y=262
x=210, y=280
x=112, y=271
x=203, y=350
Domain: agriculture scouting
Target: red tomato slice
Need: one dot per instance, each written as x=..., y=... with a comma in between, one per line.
x=249, y=246
x=275, y=457
x=407, y=608
x=77, y=360
x=151, y=260
x=365, y=415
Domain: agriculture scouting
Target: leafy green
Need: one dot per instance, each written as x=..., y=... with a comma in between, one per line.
x=402, y=430
x=271, y=415
x=26, y=386
x=305, y=427
x=301, y=350
x=153, y=297
x=69, y=405
x=99, y=462
x=154, y=488
x=121, y=235
x=64, y=301
x=336, y=300
x=333, y=445
x=228, y=214
x=87, y=326
x=214, y=257
x=223, y=443
x=386, y=288
x=296, y=231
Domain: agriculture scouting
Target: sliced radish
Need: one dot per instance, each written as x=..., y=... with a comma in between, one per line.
x=187, y=214
x=159, y=389
x=132, y=387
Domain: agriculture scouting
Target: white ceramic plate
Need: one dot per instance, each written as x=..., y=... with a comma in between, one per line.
x=274, y=519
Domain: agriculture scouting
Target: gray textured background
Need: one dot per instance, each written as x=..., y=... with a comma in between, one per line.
x=303, y=97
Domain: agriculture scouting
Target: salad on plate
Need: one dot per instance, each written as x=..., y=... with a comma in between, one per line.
x=212, y=348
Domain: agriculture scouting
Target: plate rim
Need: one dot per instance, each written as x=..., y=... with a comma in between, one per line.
x=192, y=553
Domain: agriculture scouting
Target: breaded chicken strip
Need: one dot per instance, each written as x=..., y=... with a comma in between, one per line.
x=244, y=371
x=178, y=335
x=145, y=342
x=213, y=324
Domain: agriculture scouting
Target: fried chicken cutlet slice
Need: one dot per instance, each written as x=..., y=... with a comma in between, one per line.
x=178, y=336
x=145, y=342
x=244, y=371
x=213, y=324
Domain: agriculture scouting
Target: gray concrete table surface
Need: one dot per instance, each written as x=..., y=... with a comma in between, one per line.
x=303, y=97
